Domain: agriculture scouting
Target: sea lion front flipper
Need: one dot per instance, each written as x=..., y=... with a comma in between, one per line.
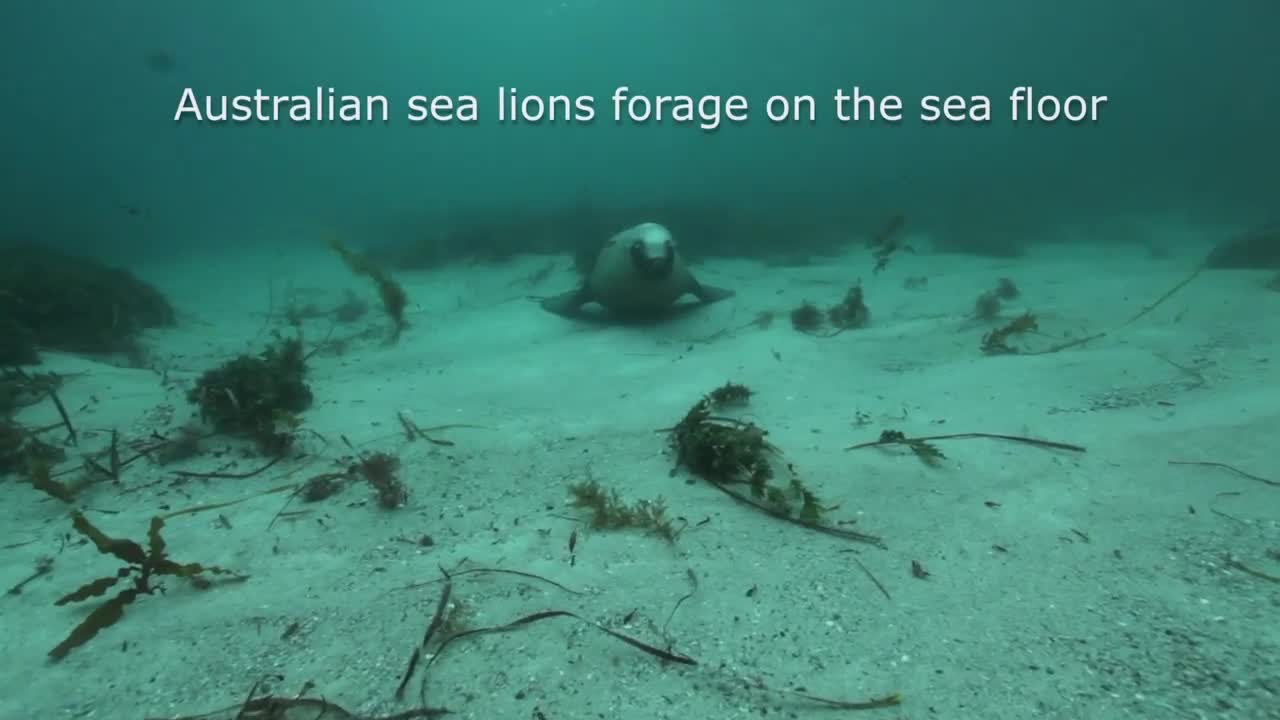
x=568, y=304
x=708, y=294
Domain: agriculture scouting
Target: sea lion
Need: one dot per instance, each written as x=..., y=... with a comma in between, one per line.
x=637, y=275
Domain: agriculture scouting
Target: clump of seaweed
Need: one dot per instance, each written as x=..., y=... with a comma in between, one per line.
x=806, y=318
x=183, y=443
x=58, y=301
x=394, y=299
x=608, y=511
x=728, y=452
x=379, y=470
x=323, y=486
x=142, y=569
x=851, y=312
x=1006, y=289
x=730, y=394
x=257, y=397
x=989, y=304
x=996, y=342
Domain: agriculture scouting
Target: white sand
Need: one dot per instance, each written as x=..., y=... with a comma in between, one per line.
x=1141, y=619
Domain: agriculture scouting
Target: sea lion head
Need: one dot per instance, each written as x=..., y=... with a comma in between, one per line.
x=653, y=251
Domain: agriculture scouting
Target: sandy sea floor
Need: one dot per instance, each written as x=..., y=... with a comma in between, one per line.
x=1103, y=584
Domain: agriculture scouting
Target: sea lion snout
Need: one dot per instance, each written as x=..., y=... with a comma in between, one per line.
x=653, y=251
x=653, y=259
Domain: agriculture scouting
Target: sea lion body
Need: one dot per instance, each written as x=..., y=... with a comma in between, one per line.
x=637, y=274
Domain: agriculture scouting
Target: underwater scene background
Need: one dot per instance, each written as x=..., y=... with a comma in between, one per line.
x=593, y=418
x=1186, y=133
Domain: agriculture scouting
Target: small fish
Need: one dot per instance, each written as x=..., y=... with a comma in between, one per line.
x=134, y=210
x=160, y=61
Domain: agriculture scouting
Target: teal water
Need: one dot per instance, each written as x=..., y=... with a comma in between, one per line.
x=1187, y=129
